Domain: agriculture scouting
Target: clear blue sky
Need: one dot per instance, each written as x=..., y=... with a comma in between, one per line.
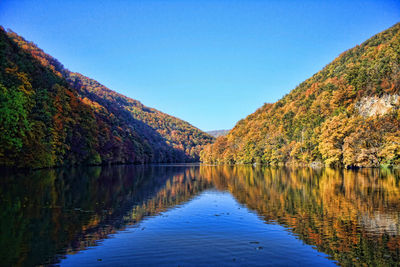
x=210, y=63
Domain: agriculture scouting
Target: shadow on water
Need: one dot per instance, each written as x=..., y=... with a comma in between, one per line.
x=351, y=215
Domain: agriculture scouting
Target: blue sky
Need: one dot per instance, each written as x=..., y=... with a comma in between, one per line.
x=210, y=63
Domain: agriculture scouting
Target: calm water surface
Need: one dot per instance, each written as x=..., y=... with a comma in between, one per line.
x=199, y=215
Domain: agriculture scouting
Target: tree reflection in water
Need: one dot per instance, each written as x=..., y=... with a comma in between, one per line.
x=351, y=215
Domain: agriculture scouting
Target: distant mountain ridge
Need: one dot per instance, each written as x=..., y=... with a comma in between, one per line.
x=52, y=117
x=218, y=133
x=347, y=114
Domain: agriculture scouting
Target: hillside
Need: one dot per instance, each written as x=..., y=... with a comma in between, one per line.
x=345, y=115
x=218, y=133
x=50, y=116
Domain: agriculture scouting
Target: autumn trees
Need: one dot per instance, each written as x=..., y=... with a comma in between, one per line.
x=321, y=119
x=50, y=116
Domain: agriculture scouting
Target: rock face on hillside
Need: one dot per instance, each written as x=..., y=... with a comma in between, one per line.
x=346, y=114
x=50, y=116
x=374, y=105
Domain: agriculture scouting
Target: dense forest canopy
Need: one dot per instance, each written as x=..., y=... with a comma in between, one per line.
x=50, y=116
x=347, y=114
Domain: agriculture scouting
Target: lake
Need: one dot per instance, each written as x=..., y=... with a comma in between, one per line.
x=185, y=215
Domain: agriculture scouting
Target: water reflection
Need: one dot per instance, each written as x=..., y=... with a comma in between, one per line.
x=353, y=216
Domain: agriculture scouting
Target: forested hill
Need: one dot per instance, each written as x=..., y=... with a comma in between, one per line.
x=50, y=116
x=218, y=133
x=347, y=114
